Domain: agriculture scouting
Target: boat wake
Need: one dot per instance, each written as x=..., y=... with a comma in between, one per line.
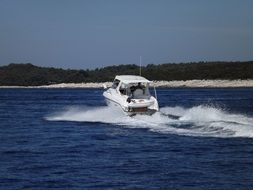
x=201, y=120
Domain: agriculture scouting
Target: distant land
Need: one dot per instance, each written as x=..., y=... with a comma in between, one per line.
x=30, y=75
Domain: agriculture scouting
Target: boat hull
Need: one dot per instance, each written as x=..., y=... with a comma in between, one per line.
x=131, y=111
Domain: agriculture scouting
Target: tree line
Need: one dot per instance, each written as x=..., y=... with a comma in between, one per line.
x=30, y=75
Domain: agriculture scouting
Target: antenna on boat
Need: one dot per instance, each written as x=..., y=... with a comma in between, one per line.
x=140, y=66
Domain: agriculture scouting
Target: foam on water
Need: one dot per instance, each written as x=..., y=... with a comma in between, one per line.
x=196, y=121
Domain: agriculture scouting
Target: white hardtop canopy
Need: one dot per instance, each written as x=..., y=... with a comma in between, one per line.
x=131, y=79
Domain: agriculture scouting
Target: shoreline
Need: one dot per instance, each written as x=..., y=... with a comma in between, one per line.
x=164, y=84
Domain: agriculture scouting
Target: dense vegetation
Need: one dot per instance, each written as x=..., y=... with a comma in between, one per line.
x=31, y=75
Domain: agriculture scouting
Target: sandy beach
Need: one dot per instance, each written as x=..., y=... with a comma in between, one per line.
x=168, y=84
x=206, y=83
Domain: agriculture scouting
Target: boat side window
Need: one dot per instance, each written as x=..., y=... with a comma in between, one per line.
x=115, y=84
x=123, y=89
x=140, y=86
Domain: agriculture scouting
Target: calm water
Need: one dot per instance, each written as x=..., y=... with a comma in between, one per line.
x=69, y=139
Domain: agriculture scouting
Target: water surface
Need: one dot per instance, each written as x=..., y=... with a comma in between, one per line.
x=69, y=139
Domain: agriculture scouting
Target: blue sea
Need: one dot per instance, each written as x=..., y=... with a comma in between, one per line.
x=69, y=139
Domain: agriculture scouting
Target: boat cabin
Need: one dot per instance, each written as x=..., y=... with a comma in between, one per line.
x=135, y=87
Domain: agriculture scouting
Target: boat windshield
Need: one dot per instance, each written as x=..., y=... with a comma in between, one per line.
x=135, y=90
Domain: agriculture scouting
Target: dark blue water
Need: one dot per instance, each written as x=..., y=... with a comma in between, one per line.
x=68, y=139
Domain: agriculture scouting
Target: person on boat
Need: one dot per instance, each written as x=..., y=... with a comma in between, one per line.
x=132, y=89
x=137, y=91
x=131, y=94
x=140, y=86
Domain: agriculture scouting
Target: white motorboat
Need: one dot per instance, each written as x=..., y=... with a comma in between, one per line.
x=131, y=93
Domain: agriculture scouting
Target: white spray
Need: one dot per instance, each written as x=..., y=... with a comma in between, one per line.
x=202, y=121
